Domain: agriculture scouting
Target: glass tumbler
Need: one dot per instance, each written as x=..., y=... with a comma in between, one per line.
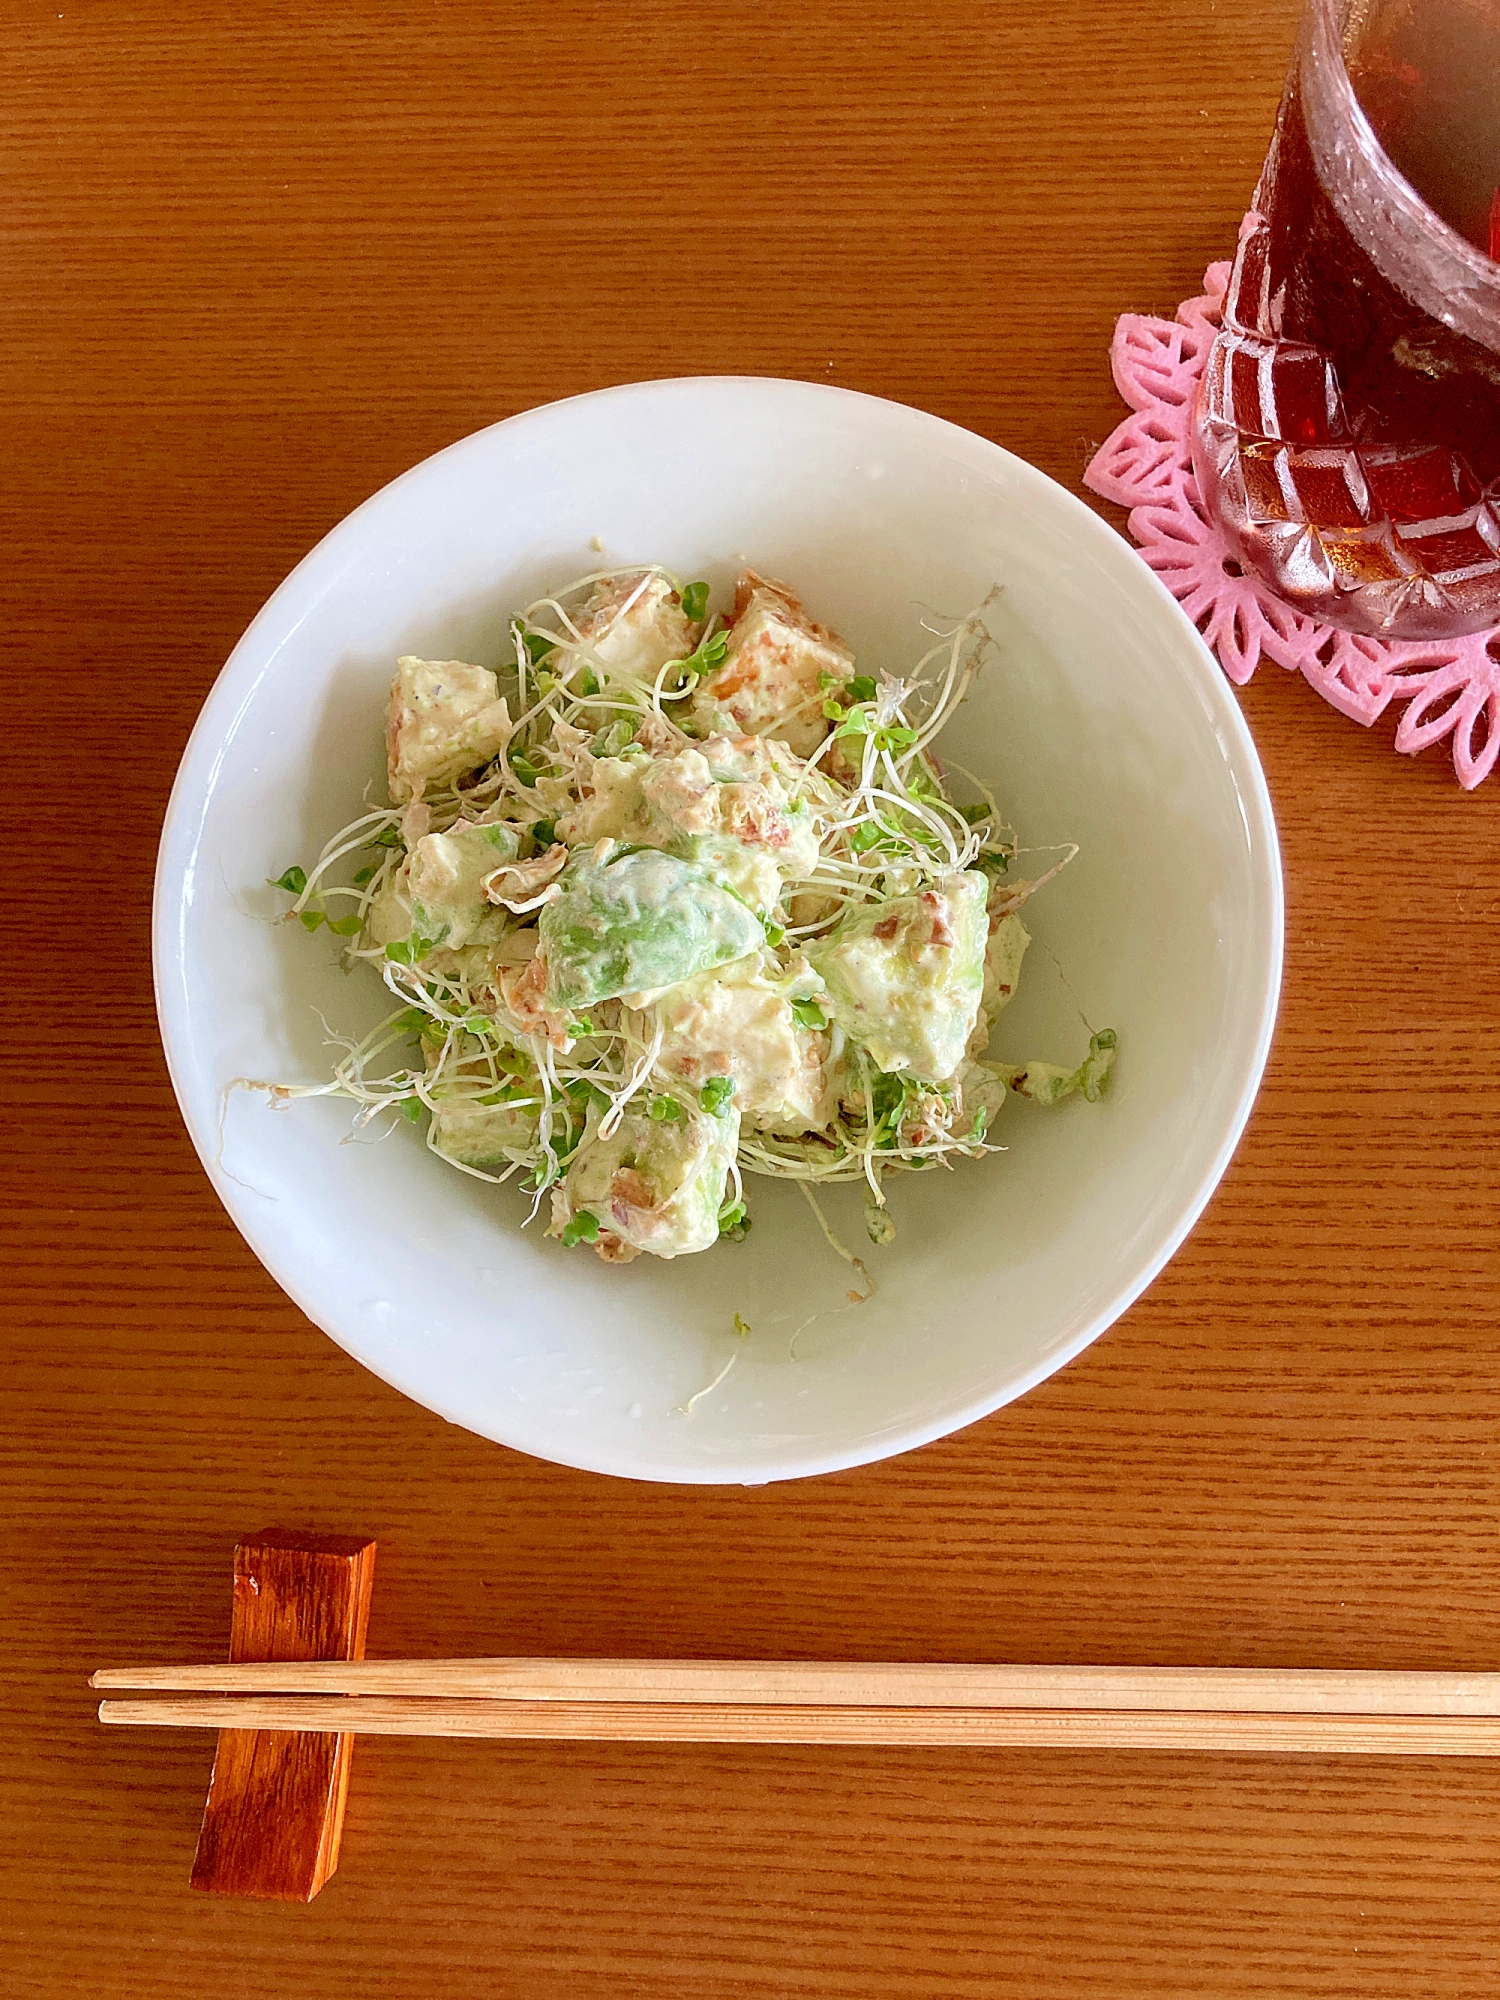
x=1347, y=432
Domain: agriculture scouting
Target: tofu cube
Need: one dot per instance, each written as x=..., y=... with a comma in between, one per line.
x=445, y=719
x=636, y=630
x=769, y=683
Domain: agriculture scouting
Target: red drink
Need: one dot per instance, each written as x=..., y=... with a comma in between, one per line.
x=1427, y=76
x=1348, y=431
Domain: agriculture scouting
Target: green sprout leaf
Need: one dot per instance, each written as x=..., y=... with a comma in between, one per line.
x=346, y=926
x=310, y=919
x=694, y=601
x=410, y=950
x=388, y=836
x=610, y=742
x=664, y=1108
x=834, y=710
x=716, y=1093
x=363, y=875
x=775, y=933
x=869, y=833
x=523, y=767
x=895, y=736
x=808, y=1014
x=411, y=1109
x=890, y=1094
x=580, y=1228
x=861, y=688
x=412, y=1022
x=708, y=656
x=734, y=1222
x=583, y=1094
x=921, y=784
x=544, y=832
x=537, y=644
x=294, y=881
x=588, y=681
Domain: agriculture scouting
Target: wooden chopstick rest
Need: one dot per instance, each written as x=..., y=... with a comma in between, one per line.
x=274, y=1815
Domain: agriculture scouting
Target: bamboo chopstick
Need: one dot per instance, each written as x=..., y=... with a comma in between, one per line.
x=838, y=1684
x=620, y=1722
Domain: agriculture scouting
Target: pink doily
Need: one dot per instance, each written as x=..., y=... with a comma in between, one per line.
x=1450, y=687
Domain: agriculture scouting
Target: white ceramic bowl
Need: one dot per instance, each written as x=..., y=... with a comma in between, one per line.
x=1106, y=722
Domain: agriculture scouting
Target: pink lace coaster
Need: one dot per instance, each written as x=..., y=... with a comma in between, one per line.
x=1450, y=687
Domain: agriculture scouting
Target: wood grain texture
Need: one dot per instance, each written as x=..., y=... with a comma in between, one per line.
x=274, y=1817
x=260, y=261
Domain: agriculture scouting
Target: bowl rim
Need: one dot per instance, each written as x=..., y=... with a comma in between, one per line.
x=216, y=727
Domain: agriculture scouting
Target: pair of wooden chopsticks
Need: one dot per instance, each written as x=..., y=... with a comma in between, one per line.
x=712, y=1701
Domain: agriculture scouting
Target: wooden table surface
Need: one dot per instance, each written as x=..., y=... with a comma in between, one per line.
x=258, y=261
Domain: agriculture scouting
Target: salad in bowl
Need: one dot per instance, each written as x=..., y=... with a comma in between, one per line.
x=679, y=897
